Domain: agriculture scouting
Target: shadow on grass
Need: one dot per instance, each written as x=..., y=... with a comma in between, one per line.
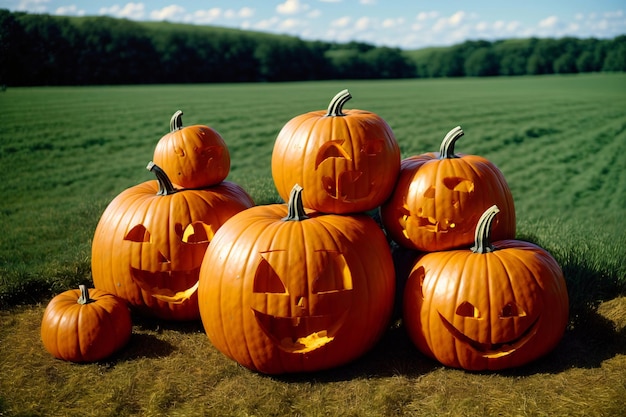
x=589, y=340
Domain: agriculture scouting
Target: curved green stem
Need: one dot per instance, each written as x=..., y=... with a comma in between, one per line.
x=336, y=104
x=447, y=145
x=482, y=236
x=84, y=295
x=176, y=122
x=165, y=185
x=295, y=208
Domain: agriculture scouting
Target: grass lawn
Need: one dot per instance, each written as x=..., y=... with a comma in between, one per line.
x=66, y=152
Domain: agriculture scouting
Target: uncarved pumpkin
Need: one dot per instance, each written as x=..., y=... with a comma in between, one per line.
x=495, y=306
x=347, y=161
x=151, y=239
x=284, y=289
x=441, y=195
x=85, y=325
x=192, y=156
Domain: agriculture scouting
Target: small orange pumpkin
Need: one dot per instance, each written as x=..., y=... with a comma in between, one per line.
x=85, y=325
x=347, y=162
x=284, y=289
x=493, y=306
x=192, y=156
x=150, y=242
x=441, y=195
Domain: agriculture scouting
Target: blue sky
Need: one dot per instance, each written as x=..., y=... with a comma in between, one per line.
x=405, y=24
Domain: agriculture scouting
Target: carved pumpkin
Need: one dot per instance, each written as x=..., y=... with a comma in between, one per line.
x=288, y=290
x=493, y=306
x=150, y=241
x=440, y=196
x=85, y=325
x=347, y=162
x=192, y=156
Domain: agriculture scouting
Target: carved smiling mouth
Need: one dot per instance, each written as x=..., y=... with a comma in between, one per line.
x=146, y=281
x=492, y=350
x=299, y=334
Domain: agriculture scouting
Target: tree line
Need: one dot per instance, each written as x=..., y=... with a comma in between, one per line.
x=40, y=49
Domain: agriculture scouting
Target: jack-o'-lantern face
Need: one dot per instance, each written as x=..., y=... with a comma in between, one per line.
x=425, y=214
x=488, y=324
x=439, y=198
x=150, y=241
x=432, y=211
x=347, y=161
x=287, y=289
x=345, y=175
x=169, y=270
x=304, y=305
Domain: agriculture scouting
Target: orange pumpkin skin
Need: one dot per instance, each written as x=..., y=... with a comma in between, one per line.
x=439, y=198
x=347, y=162
x=192, y=156
x=87, y=331
x=281, y=296
x=147, y=248
x=486, y=311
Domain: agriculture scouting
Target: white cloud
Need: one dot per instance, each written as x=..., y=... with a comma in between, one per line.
x=367, y=2
x=205, y=16
x=314, y=14
x=245, y=12
x=266, y=24
x=37, y=6
x=292, y=7
x=71, y=10
x=131, y=10
x=446, y=23
x=289, y=24
x=392, y=22
x=549, y=22
x=342, y=22
x=363, y=23
x=171, y=13
x=427, y=15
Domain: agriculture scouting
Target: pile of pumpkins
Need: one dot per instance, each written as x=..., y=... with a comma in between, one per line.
x=311, y=284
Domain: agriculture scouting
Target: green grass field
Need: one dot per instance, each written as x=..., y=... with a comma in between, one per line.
x=65, y=153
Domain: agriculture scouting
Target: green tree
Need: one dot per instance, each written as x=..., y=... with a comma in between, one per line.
x=616, y=55
x=481, y=62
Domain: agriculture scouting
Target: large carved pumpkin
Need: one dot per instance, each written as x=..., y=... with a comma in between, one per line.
x=493, y=306
x=440, y=196
x=192, y=156
x=284, y=290
x=151, y=239
x=347, y=161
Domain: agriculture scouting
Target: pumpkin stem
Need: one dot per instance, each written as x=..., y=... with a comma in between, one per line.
x=165, y=185
x=295, y=208
x=336, y=104
x=447, y=145
x=176, y=122
x=84, y=295
x=482, y=236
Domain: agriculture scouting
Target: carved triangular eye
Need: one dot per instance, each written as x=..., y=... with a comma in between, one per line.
x=331, y=149
x=467, y=309
x=138, y=234
x=458, y=184
x=267, y=280
x=512, y=310
x=197, y=232
x=335, y=276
